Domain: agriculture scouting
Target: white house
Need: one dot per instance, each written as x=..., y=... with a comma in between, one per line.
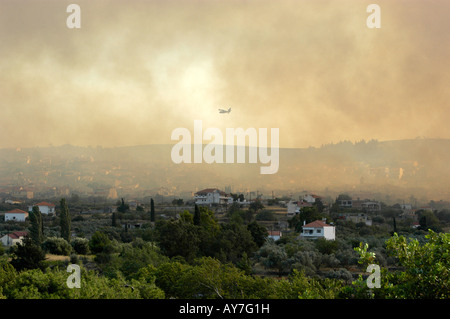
x=292, y=209
x=310, y=198
x=212, y=196
x=44, y=207
x=13, y=238
x=17, y=215
x=359, y=218
x=318, y=229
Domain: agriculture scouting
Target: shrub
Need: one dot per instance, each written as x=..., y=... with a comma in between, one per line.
x=99, y=242
x=57, y=246
x=80, y=245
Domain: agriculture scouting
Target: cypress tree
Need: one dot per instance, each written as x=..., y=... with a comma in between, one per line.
x=36, y=226
x=114, y=220
x=64, y=220
x=152, y=210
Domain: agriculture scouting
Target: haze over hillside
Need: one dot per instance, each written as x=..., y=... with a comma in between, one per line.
x=396, y=169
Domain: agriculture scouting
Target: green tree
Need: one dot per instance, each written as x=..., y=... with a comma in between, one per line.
x=123, y=207
x=256, y=205
x=136, y=255
x=428, y=220
x=99, y=242
x=326, y=246
x=233, y=240
x=27, y=255
x=65, y=220
x=57, y=246
x=423, y=269
x=178, y=238
x=80, y=245
x=258, y=232
x=114, y=220
x=426, y=271
x=36, y=226
x=273, y=256
x=196, y=215
x=7, y=272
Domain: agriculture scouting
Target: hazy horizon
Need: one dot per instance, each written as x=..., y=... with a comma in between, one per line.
x=135, y=71
x=172, y=143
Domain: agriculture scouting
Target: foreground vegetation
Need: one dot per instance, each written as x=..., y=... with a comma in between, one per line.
x=195, y=256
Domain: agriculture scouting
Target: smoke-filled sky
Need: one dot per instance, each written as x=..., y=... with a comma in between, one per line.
x=136, y=70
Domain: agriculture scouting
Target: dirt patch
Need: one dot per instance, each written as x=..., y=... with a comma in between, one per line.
x=52, y=257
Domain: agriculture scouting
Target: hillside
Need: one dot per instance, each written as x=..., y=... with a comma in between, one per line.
x=416, y=167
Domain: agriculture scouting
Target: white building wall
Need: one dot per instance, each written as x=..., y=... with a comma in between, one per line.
x=292, y=209
x=15, y=216
x=319, y=232
x=329, y=233
x=8, y=241
x=309, y=198
x=43, y=209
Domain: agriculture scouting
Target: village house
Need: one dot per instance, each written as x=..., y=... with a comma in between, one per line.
x=311, y=198
x=292, y=209
x=358, y=218
x=17, y=215
x=210, y=196
x=274, y=234
x=318, y=229
x=44, y=207
x=366, y=205
x=13, y=238
x=295, y=207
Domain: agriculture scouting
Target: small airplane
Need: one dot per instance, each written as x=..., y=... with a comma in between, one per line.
x=225, y=111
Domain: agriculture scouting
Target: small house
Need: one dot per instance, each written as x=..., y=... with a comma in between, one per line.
x=17, y=215
x=13, y=238
x=318, y=229
x=274, y=234
x=44, y=207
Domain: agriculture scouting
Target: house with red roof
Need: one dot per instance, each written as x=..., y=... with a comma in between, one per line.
x=45, y=208
x=17, y=215
x=318, y=229
x=274, y=234
x=13, y=238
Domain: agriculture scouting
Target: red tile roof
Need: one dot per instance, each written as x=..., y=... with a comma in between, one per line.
x=317, y=224
x=18, y=234
x=45, y=204
x=16, y=211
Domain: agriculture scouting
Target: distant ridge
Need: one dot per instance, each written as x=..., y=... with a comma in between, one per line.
x=417, y=167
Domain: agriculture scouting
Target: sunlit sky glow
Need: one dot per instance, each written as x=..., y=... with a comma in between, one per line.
x=136, y=70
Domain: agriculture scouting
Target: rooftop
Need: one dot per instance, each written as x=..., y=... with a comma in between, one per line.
x=18, y=234
x=44, y=204
x=16, y=211
x=317, y=223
